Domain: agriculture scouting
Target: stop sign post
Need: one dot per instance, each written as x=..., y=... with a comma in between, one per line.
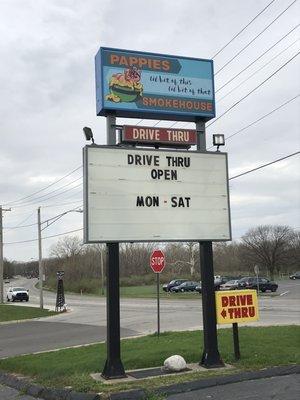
x=157, y=264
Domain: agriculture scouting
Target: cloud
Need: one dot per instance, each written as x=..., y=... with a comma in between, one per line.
x=48, y=95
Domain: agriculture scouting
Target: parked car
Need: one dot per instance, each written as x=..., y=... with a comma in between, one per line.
x=221, y=280
x=188, y=286
x=296, y=275
x=175, y=282
x=17, y=293
x=230, y=285
x=198, y=288
x=218, y=281
x=264, y=284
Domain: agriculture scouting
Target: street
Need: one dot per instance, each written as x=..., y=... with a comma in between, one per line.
x=276, y=388
x=86, y=321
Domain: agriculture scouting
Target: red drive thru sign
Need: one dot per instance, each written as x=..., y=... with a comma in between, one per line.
x=167, y=136
x=157, y=261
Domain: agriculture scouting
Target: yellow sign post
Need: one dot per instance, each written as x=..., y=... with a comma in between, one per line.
x=236, y=306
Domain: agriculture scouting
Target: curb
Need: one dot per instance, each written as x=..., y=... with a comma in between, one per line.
x=26, y=386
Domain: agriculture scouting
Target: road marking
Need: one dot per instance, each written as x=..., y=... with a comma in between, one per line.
x=282, y=294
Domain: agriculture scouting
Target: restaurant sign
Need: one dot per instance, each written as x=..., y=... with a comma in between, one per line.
x=147, y=135
x=149, y=85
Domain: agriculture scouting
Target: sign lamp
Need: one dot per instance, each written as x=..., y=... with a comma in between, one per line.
x=88, y=134
x=218, y=140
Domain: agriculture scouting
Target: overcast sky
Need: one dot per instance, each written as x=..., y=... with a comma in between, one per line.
x=48, y=95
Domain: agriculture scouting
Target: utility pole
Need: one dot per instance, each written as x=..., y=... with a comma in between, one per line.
x=41, y=272
x=1, y=253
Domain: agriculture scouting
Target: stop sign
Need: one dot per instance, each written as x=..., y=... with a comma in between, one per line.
x=157, y=261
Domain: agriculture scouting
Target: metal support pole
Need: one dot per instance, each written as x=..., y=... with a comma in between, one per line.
x=41, y=272
x=102, y=273
x=1, y=253
x=158, y=305
x=113, y=368
x=236, y=343
x=211, y=357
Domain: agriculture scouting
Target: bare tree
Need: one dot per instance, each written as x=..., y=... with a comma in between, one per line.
x=67, y=247
x=268, y=246
x=182, y=257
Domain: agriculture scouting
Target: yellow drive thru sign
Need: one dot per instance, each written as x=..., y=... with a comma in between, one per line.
x=236, y=306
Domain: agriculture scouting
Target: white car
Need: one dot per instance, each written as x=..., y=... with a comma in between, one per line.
x=230, y=285
x=17, y=293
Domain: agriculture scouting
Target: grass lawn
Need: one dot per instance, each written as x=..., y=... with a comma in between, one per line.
x=141, y=291
x=15, y=313
x=260, y=347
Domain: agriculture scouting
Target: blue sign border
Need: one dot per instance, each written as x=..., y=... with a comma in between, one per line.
x=117, y=109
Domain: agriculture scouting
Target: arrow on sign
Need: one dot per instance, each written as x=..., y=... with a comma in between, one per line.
x=223, y=313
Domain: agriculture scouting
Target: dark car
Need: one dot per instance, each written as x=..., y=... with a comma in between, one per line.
x=189, y=286
x=264, y=284
x=296, y=275
x=175, y=282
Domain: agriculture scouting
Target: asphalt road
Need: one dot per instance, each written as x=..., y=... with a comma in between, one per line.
x=86, y=322
x=276, y=388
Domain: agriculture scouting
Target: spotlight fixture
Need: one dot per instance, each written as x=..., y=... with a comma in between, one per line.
x=88, y=134
x=218, y=140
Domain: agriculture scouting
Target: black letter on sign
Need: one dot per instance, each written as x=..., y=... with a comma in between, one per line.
x=129, y=159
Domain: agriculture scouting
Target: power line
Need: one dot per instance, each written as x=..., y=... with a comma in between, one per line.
x=242, y=30
x=46, y=187
x=57, y=194
x=257, y=36
x=260, y=118
x=62, y=204
x=45, y=237
x=258, y=70
x=258, y=58
x=264, y=116
x=253, y=90
x=49, y=219
x=264, y=165
x=248, y=66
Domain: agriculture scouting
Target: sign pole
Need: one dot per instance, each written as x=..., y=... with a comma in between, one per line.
x=113, y=367
x=158, y=309
x=236, y=343
x=256, y=270
x=210, y=357
x=157, y=264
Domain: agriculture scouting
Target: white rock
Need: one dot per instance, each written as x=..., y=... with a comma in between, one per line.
x=175, y=363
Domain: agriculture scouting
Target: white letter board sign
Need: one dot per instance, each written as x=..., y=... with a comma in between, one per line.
x=155, y=195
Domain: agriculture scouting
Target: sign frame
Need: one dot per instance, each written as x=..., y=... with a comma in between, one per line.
x=115, y=148
x=145, y=113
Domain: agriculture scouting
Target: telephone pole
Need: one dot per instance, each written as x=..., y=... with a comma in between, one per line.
x=1, y=252
x=41, y=272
